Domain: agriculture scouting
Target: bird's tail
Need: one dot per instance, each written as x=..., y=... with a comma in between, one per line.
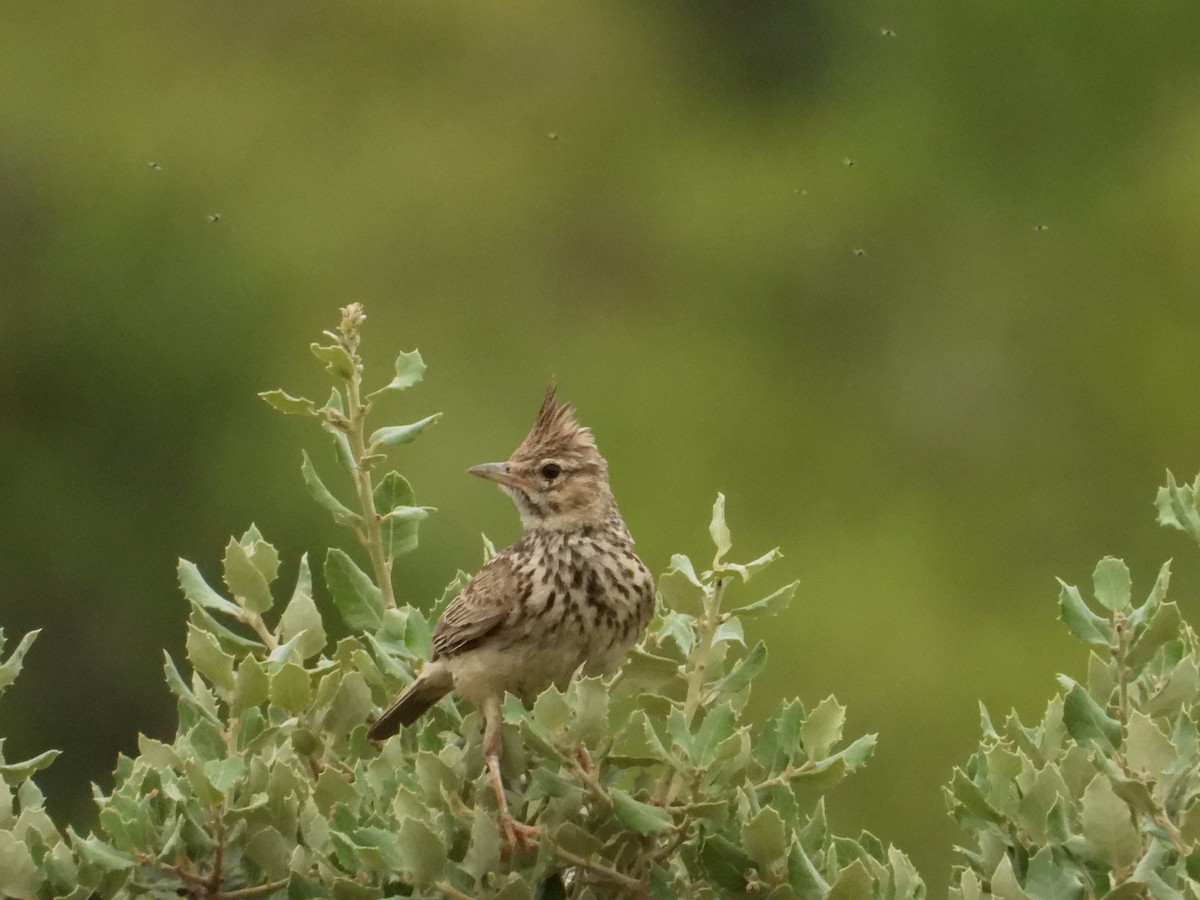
x=428, y=688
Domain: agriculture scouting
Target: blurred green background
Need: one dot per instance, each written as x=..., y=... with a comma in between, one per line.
x=914, y=285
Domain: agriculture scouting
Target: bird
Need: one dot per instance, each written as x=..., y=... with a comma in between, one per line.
x=569, y=595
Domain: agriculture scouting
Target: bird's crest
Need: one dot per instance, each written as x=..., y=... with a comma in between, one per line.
x=556, y=431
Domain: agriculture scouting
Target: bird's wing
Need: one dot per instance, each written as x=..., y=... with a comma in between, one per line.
x=479, y=609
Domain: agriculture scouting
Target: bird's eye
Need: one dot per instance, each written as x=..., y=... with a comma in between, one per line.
x=550, y=471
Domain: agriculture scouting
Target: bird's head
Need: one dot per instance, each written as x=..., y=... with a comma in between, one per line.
x=556, y=477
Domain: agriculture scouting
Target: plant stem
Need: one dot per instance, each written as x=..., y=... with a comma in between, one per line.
x=451, y=891
x=259, y=890
x=631, y=885
x=671, y=783
x=356, y=413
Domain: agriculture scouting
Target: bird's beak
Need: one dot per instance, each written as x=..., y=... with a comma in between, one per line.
x=498, y=472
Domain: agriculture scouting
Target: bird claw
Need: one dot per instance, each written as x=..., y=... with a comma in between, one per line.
x=518, y=834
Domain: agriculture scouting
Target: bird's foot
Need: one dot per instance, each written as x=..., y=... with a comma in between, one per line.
x=517, y=834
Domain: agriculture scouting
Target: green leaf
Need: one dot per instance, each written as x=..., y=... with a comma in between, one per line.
x=409, y=370
x=773, y=603
x=19, y=876
x=1157, y=595
x=209, y=659
x=394, y=501
x=1164, y=625
x=724, y=864
x=356, y=597
x=1177, y=507
x=719, y=723
x=853, y=883
x=1111, y=584
x=244, y=579
x=1004, y=882
x=719, y=530
x=422, y=852
x=224, y=774
x=1147, y=749
x=1086, y=722
x=342, y=514
x=100, y=854
x=15, y=773
x=750, y=569
x=335, y=409
x=291, y=688
x=1083, y=623
x=300, y=617
x=197, y=590
x=397, y=435
x=823, y=728
x=640, y=818
x=745, y=671
x=1108, y=826
x=590, y=701
x=681, y=592
x=286, y=403
x=11, y=667
x=337, y=360
x=1048, y=879
x=803, y=878
x=765, y=839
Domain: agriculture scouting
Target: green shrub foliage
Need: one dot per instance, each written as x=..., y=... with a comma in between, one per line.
x=1102, y=797
x=647, y=783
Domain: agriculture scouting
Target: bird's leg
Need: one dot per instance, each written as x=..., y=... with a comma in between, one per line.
x=516, y=833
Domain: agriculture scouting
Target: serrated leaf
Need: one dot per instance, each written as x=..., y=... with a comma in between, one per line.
x=773, y=603
x=197, y=590
x=1048, y=879
x=1147, y=749
x=803, y=878
x=1107, y=825
x=853, y=883
x=341, y=440
x=342, y=514
x=1111, y=583
x=1083, y=623
x=11, y=667
x=1004, y=882
x=394, y=500
x=749, y=570
x=719, y=724
x=724, y=864
x=744, y=672
x=1086, y=722
x=337, y=360
x=410, y=368
x=823, y=728
x=1177, y=507
x=397, y=435
x=286, y=403
x=765, y=839
x=1164, y=625
x=300, y=617
x=1157, y=595
x=356, y=597
x=209, y=659
x=224, y=774
x=681, y=563
x=15, y=773
x=718, y=530
x=244, y=579
x=291, y=688
x=640, y=818
x=680, y=592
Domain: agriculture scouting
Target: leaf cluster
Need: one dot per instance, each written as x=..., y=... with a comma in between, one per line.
x=1101, y=798
x=648, y=783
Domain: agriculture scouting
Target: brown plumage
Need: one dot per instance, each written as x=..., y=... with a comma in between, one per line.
x=570, y=594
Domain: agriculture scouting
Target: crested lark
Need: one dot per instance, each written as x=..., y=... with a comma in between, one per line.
x=570, y=593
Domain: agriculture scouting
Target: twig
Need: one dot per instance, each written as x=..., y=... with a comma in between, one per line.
x=635, y=887
x=259, y=890
x=451, y=891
